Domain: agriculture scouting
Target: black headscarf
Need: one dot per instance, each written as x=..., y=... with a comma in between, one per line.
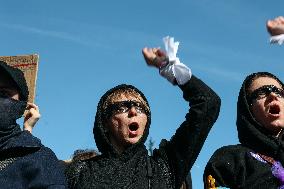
x=250, y=132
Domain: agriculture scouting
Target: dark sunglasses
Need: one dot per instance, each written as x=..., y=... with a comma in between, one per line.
x=264, y=91
x=124, y=106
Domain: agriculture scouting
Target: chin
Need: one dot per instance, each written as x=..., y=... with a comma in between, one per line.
x=133, y=140
x=277, y=124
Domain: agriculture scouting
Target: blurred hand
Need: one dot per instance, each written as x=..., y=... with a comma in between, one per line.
x=31, y=117
x=154, y=56
x=275, y=26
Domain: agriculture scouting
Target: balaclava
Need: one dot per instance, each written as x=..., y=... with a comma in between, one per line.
x=250, y=132
x=10, y=109
x=100, y=133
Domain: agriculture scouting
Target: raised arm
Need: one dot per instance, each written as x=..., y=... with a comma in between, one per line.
x=184, y=147
x=182, y=150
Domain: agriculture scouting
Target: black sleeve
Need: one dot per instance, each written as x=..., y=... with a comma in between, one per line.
x=72, y=172
x=43, y=170
x=226, y=168
x=182, y=150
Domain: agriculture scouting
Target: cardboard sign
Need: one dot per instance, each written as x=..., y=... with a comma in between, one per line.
x=29, y=66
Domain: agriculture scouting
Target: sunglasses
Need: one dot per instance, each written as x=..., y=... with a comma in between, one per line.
x=124, y=107
x=264, y=91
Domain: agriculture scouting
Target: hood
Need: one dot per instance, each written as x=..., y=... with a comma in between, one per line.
x=102, y=142
x=250, y=132
x=18, y=77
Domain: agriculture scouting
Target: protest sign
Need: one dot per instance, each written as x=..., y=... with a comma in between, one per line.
x=29, y=66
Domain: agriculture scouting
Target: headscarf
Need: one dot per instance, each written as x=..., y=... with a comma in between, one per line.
x=251, y=133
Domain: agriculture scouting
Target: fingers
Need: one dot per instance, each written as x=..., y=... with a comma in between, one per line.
x=34, y=113
x=32, y=105
x=281, y=19
x=270, y=23
x=161, y=53
x=33, y=110
x=153, y=56
x=277, y=20
x=149, y=53
x=270, y=26
x=275, y=26
x=31, y=117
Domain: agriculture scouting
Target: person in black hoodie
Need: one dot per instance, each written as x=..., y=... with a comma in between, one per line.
x=24, y=161
x=122, y=125
x=257, y=161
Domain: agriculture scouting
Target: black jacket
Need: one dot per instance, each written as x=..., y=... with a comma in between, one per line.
x=169, y=165
x=26, y=163
x=241, y=166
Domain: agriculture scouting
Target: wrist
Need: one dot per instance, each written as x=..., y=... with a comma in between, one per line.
x=160, y=62
x=28, y=128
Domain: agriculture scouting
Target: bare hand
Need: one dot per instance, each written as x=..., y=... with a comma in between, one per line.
x=275, y=26
x=154, y=56
x=31, y=117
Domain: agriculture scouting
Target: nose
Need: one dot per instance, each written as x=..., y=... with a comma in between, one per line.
x=273, y=95
x=132, y=112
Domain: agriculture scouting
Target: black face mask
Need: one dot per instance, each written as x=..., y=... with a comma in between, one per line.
x=10, y=111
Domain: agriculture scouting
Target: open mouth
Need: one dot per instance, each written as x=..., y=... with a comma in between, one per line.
x=133, y=126
x=274, y=109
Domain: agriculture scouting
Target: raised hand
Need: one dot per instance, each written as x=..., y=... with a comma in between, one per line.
x=31, y=117
x=154, y=56
x=275, y=26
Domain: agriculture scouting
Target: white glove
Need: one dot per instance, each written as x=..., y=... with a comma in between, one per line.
x=174, y=70
x=277, y=39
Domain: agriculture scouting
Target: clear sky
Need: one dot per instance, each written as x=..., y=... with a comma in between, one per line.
x=87, y=47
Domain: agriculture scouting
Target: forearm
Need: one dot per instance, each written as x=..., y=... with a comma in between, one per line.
x=203, y=112
x=185, y=145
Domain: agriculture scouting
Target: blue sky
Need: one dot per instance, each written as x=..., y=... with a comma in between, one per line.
x=87, y=47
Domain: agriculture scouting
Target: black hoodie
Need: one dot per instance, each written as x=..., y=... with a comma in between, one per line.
x=134, y=168
x=24, y=161
x=241, y=166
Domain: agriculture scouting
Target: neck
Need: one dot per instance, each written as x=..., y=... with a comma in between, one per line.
x=118, y=147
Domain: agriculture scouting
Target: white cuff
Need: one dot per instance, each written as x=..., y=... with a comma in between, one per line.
x=277, y=39
x=174, y=70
